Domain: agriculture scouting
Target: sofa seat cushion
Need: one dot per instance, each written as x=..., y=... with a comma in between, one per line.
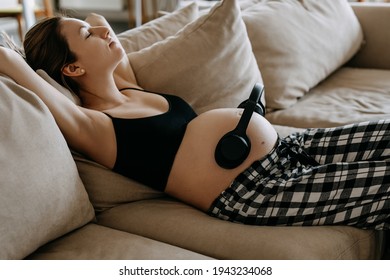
x=95, y=242
x=349, y=95
x=184, y=226
x=41, y=194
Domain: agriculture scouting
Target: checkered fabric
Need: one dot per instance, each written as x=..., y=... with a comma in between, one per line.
x=347, y=184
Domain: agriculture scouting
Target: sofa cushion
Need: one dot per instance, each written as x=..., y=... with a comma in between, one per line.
x=112, y=245
x=158, y=29
x=374, y=19
x=186, y=227
x=41, y=194
x=209, y=62
x=107, y=189
x=297, y=44
x=349, y=95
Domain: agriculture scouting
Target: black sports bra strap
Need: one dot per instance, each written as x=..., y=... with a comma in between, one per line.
x=131, y=88
x=111, y=117
x=141, y=89
x=108, y=115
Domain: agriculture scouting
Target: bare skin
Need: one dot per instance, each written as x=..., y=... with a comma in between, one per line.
x=101, y=69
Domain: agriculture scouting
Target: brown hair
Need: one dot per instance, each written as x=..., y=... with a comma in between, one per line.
x=46, y=48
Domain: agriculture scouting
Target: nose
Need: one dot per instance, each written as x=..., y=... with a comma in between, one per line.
x=101, y=31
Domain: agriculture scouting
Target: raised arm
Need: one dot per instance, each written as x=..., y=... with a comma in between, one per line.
x=76, y=123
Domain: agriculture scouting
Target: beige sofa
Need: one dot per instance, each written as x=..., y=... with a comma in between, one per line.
x=59, y=205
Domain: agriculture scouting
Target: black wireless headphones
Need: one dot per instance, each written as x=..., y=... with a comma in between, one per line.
x=234, y=146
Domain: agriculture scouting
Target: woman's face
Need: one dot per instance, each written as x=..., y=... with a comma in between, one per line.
x=93, y=46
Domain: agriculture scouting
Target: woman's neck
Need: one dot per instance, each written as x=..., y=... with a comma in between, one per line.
x=100, y=94
x=99, y=90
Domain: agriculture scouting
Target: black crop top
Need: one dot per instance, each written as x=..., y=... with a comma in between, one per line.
x=146, y=147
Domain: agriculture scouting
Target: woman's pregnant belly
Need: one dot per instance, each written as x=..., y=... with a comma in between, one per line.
x=195, y=177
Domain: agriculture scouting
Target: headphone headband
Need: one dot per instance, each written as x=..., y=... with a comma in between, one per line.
x=249, y=108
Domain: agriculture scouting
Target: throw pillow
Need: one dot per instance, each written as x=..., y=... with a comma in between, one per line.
x=209, y=63
x=158, y=29
x=41, y=194
x=299, y=43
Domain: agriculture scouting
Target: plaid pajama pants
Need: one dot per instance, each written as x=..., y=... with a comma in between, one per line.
x=347, y=184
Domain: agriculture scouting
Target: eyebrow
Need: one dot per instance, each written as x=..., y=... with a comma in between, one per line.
x=81, y=29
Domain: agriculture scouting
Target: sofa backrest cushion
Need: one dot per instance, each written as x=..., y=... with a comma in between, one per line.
x=297, y=44
x=349, y=95
x=41, y=194
x=156, y=30
x=209, y=62
x=374, y=19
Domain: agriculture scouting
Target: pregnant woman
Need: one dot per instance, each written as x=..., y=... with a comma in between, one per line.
x=320, y=176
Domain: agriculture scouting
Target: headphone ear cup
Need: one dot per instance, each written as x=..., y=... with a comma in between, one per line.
x=232, y=150
x=234, y=147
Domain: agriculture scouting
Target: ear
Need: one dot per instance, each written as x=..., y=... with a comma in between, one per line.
x=72, y=70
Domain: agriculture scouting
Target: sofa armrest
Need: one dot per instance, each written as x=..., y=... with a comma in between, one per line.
x=375, y=21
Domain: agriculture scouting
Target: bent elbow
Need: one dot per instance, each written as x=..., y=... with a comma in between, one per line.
x=8, y=58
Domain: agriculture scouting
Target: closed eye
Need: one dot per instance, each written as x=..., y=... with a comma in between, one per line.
x=84, y=31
